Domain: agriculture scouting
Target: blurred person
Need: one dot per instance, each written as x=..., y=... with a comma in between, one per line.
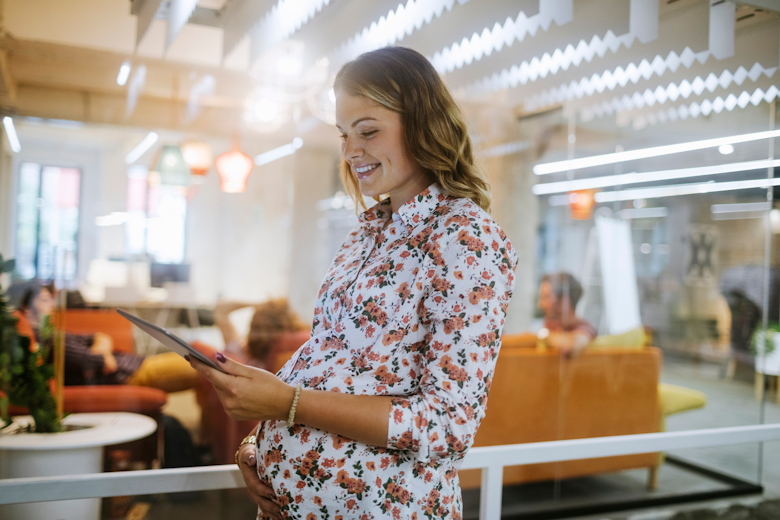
x=270, y=321
x=562, y=329
x=90, y=358
x=372, y=417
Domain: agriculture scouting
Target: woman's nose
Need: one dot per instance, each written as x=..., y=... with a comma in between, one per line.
x=351, y=150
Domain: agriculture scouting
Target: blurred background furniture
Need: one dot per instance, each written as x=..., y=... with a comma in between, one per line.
x=539, y=396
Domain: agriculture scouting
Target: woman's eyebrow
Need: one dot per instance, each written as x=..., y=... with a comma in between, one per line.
x=357, y=122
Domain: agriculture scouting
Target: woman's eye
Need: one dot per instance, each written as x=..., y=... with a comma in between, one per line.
x=368, y=134
x=343, y=137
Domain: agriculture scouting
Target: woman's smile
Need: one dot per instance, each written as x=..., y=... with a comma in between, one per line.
x=363, y=171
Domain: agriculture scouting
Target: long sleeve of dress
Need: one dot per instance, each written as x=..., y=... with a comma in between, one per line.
x=466, y=292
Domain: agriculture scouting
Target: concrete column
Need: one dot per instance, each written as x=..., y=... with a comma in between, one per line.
x=315, y=177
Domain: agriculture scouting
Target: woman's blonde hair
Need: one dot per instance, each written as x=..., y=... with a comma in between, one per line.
x=402, y=80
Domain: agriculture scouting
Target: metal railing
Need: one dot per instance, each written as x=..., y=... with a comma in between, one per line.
x=490, y=459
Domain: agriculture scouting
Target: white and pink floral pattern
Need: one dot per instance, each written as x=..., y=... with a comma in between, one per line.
x=412, y=307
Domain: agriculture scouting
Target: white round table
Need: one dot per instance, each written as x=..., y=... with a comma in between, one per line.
x=76, y=452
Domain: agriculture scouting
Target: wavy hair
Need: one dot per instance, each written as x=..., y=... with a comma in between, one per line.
x=271, y=320
x=404, y=81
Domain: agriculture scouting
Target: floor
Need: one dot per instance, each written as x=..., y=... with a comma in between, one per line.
x=730, y=403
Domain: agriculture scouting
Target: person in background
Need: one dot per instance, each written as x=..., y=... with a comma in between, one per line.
x=563, y=330
x=90, y=358
x=271, y=320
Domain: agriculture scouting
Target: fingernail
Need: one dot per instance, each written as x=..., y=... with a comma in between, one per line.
x=187, y=357
x=251, y=460
x=220, y=357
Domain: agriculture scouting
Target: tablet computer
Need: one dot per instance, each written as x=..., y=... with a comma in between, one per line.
x=171, y=341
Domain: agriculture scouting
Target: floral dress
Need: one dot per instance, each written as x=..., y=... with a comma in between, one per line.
x=412, y=307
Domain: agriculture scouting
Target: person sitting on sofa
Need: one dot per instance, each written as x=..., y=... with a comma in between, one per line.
x=271, y=320
x=563, y=330
x=90, y=358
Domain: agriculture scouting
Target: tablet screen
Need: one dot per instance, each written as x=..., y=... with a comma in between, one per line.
x=171, y=341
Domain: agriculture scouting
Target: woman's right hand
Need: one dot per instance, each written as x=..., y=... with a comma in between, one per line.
x=261, y=493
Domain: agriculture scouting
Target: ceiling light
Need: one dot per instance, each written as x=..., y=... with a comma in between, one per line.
x=684, y=189
x=726, y=149
x=633, y=213
x=124, y=73
x=141, y=148
x=265, y=110
x=644, y=153
x=172, y=167
x=197, y=155
x=740, y=207
x=10, y=132
x=637, y=178
x=278, y=153
x=233, y=168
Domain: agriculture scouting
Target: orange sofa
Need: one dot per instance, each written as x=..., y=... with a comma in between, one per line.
x=539, y=396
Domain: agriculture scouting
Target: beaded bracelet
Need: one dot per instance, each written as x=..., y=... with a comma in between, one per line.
x=291, y=416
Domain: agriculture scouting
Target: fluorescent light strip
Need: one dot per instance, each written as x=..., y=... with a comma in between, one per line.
x=624, y=179
x=124, y=73
x=740, y=208
x=632, y=213
x=141, y=148
x=683, y=189
x=644, y=153
x=10, y=132
x=278, y=153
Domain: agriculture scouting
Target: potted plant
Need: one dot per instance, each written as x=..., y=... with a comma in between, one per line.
x=764, y=344
x=25, y=370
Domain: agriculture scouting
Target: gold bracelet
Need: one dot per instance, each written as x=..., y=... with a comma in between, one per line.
x=249, y=439
x=291, y=415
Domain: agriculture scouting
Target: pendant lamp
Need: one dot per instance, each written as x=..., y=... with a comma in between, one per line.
x=197, y=155
x=234, y=168
x=172, y=168
x=581, y=204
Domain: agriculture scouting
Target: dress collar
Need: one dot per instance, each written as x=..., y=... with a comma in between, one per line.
x=411, y=213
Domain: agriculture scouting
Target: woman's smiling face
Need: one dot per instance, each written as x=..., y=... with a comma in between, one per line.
x=374, y=146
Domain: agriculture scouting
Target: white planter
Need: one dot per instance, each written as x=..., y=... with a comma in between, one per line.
x=769, y=364
x=68, y=453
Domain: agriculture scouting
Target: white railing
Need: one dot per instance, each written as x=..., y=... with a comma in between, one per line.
x=491, y=459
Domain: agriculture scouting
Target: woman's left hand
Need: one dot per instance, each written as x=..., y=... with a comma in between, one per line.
x=247, y=392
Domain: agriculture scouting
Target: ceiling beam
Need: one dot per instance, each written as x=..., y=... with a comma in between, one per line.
x=769, y=5
x=7, y=85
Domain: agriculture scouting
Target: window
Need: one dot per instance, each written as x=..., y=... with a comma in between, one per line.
x=48, y=222
x=157, y=217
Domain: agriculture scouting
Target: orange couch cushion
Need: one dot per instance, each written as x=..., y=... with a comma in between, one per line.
x=89, y=321
x=540, y=396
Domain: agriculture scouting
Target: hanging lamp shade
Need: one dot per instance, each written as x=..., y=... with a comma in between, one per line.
x=234, y=168
x=172, y=168
x=197, y=155
x=581, y=204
